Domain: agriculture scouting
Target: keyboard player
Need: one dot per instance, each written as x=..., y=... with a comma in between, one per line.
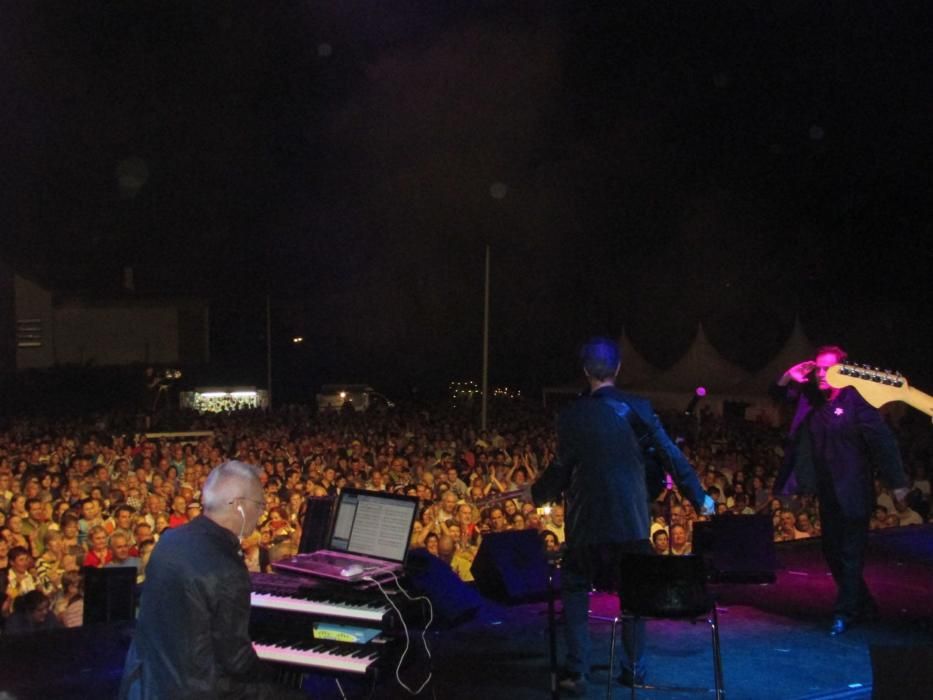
x=192, y=635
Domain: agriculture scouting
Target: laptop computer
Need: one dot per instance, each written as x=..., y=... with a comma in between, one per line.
x=369, y=536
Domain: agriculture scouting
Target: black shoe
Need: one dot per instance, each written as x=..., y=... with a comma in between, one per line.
x=840, y=626
x=628, y=680
x=573, y=682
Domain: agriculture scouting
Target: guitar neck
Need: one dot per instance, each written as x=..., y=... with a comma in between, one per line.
x=878, y=387
x=919, y=400
x=504, y=496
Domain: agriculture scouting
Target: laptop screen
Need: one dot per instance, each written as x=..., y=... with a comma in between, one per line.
x=373, y=524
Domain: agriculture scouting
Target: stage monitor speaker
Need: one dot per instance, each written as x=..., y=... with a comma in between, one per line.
x=737, y=548
x=511, y=567
x=316, y=525
x=453, y=600
x=900, y=672
x=109, y=594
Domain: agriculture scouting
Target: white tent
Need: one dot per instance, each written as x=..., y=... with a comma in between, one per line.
x=797, y=348
x=636, y=370
x=701, y=365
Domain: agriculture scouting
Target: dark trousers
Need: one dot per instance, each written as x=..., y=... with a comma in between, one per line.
x=597, y=566
x=844, y=541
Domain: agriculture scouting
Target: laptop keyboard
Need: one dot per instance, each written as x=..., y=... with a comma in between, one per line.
x=334, y=560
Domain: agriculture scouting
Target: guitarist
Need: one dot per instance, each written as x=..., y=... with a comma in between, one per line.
x=600, y=472
x=836, y=441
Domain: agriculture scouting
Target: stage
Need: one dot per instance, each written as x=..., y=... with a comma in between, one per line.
x=774, y=642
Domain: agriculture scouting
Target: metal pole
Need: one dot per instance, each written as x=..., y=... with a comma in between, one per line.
x=485, y=341
x=552, y=630
x=269, y=348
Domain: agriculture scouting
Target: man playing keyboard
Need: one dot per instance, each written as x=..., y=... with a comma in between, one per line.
x=192, y=636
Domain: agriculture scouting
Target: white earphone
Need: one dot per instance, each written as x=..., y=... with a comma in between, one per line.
x=240, y=510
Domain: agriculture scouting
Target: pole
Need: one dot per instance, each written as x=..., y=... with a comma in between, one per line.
x=269, y=348
x=485, y=341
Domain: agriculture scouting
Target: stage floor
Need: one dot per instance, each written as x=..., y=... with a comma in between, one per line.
x=774, y=637
x=774, y=642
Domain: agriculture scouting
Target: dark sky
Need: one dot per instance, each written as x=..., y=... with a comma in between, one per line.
x=657, y=164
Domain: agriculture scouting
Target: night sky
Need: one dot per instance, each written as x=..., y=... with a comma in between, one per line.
x=641, y=164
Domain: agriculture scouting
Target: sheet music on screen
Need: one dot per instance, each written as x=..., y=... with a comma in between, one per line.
x=374, y=526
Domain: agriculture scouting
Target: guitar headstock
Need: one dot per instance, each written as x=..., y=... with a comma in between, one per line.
x=876, y=386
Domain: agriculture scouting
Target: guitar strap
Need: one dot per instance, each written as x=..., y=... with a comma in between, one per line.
x=630, y=416
x=655, y=471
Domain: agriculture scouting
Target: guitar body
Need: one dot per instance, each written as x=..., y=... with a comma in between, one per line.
x=878, y=387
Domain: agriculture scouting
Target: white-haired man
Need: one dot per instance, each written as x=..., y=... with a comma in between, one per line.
x=192, y=637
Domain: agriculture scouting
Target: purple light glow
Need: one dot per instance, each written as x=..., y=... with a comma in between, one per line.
x=700, y=391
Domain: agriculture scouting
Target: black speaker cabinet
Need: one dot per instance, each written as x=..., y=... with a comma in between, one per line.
x=453, y=600
x=511, y=567
x=900, y=672
x=109, y=594
x=737, y=548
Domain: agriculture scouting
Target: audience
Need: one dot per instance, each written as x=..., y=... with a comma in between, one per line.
x=72, y=495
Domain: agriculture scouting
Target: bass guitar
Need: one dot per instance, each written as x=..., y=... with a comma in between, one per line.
x=877, y=386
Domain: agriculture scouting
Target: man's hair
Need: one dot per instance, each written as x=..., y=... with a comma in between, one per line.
x=600, y=358
x=833, y=350
x=221, y=484
x=28, y=603
x=16, y=552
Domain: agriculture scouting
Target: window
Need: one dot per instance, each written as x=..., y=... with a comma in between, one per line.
x=29, y=333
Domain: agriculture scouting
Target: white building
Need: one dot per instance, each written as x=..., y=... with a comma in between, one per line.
x=42, y=328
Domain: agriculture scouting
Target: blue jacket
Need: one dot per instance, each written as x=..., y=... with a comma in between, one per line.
x=600, y=470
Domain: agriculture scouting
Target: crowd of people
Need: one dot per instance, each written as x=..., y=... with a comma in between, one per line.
x=74, y=496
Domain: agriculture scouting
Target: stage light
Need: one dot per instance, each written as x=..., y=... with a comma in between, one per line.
x=698, y=394
x=298, y=339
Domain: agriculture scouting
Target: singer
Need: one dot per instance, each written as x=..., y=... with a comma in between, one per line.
x=192, y=637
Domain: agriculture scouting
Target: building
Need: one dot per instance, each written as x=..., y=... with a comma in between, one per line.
x=41, y=327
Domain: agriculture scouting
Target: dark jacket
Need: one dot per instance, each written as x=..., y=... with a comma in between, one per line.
x=834, y=448
x=600, y=470
x=192, y=637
